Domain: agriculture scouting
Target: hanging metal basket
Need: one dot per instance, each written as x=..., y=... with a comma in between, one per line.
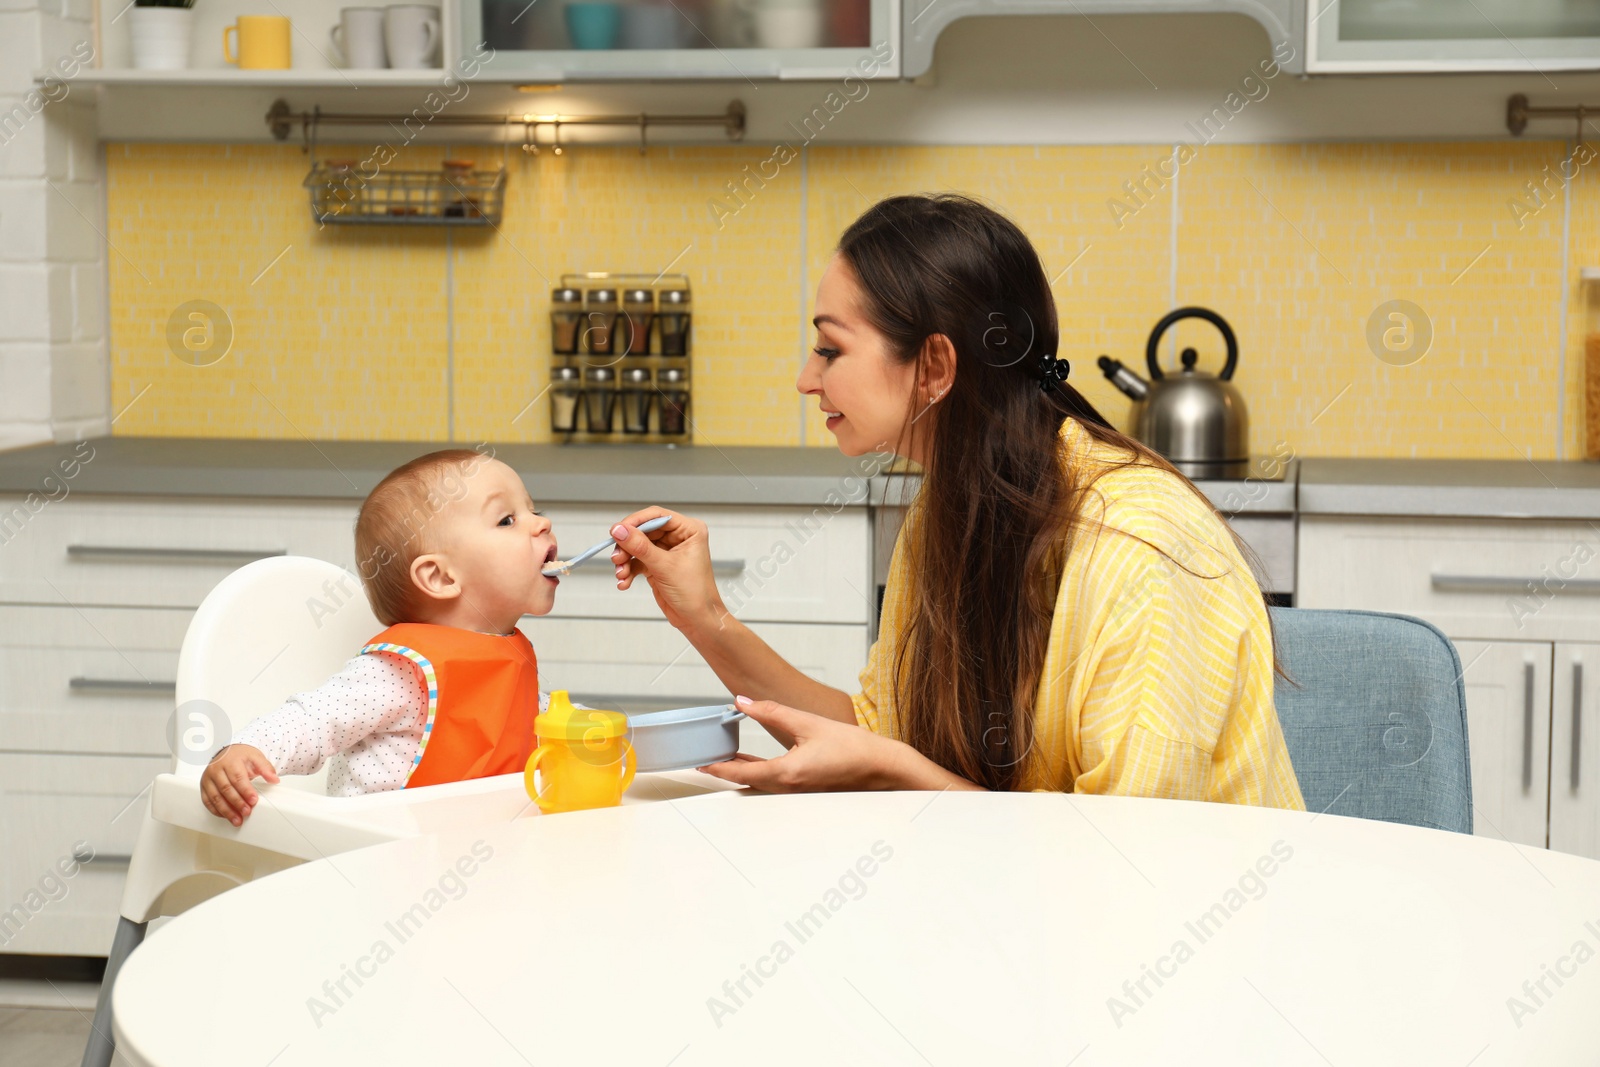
x=341, y=194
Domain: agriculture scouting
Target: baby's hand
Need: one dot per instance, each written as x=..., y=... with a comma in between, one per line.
x=225, y=785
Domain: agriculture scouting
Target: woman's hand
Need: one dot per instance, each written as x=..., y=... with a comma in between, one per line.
x=829, y=755
x=676, y=561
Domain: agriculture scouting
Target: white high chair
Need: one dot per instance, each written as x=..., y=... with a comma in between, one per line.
x=271, y=629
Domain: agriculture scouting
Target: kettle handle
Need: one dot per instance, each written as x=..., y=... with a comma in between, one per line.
x=1192, y=313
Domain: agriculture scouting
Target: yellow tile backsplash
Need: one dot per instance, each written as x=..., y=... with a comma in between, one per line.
x=391, y=332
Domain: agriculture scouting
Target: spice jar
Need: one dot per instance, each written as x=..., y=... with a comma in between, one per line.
x=638, y=314
x=600, y=321
x=457, y=193
x=674, y=390
x=565, y=392
x=566, y=314
x=673, y=322
x=637, y=398
x=342, y=193
x=599, y=398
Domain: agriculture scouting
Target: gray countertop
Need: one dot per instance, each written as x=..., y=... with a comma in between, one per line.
x=238, y=467
x=707, y=474
x=1488, y=488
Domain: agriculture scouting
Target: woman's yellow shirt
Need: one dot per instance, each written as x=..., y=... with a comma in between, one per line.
x=1157, y=682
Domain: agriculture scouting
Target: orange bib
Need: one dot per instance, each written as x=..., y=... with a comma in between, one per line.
x=483, y=693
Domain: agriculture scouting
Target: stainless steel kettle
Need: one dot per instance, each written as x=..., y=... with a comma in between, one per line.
x=1197, y=421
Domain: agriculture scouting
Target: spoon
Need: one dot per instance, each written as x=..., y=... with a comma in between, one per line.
x=564, y=566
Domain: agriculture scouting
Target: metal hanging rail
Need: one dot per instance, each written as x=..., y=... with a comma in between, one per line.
x=1519, y=111
x=281, y=120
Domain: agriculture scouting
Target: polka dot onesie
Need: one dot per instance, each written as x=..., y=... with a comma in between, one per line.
x=367, y=720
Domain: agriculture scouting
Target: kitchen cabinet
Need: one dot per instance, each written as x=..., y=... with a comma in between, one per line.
x=1575, y=749
x=1520, y=598
x=97, y=590
x=771, y=565
x=718, y=39
x=1420, y=36
x=67, y=827
x=639, y=665
x=87, y=678
x=1507, y=685
x=924, y=20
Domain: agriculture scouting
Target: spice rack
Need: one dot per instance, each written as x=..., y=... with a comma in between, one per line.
x=620, y=346
x=457, y=195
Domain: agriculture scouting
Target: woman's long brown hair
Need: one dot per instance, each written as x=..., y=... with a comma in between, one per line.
x=1000, y=505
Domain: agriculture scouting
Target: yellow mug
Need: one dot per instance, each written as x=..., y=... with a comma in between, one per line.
x=583, y=760
x=261, y=42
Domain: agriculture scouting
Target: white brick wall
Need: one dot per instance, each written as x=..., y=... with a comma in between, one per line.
x=54, y=365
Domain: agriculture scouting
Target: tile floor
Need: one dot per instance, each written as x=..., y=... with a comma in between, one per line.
x=44, y=1020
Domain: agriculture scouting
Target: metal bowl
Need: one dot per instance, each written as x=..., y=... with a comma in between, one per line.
x=684, y=737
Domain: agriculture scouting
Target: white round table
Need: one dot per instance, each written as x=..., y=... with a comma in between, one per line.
x=890, y=928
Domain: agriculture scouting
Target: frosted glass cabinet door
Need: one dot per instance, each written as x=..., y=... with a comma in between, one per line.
x=737, y=40
x=1432, y=35
x=1508, y=734
x=1575, y=750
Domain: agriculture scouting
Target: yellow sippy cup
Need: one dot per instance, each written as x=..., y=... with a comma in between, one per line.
x=583, y=757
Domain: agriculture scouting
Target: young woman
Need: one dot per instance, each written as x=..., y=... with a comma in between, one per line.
x=1064, y=611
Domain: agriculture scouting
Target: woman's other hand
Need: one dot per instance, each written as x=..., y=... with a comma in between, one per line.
x=676, y=561
x=829, y=755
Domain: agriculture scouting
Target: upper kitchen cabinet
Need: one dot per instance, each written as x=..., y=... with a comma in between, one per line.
x=924, y=20
x=1451, y=35
x=736, y=40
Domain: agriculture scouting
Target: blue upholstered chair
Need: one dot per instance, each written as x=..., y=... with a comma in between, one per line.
x=1377, y=726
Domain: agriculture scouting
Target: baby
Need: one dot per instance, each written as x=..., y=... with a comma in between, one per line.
x=451, y=554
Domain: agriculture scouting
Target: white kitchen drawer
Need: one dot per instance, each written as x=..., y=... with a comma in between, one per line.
x=1489, y=578
x=157, y=552
x=50, y=804
x=772, y=564
x=1272, y=539
x=88, y=679
x=651, y=664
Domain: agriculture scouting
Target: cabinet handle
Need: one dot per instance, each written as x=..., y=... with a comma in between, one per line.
x=725, y=567
x=1577, y=720
x=1505, y=583
x=236, y=555
x=1527, y=727
x=123, y=858
x=136, y=685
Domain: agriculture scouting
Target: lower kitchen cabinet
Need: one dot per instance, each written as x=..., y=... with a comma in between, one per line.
x=1575, y=749
x=1518, y=598
x=631, y=661
x=96, y=594
x=1507, y=686
x=67, y=828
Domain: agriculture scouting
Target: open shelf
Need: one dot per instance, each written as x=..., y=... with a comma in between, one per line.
x=294, y=78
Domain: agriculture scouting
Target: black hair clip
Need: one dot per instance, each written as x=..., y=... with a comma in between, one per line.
x=1052, y=370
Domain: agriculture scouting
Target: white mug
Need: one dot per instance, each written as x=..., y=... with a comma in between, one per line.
x=359, y=38
x=788, y=27
x=411, y=34
x=785, y=23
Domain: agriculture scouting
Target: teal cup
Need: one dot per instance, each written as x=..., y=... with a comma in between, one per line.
x=593, y=25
